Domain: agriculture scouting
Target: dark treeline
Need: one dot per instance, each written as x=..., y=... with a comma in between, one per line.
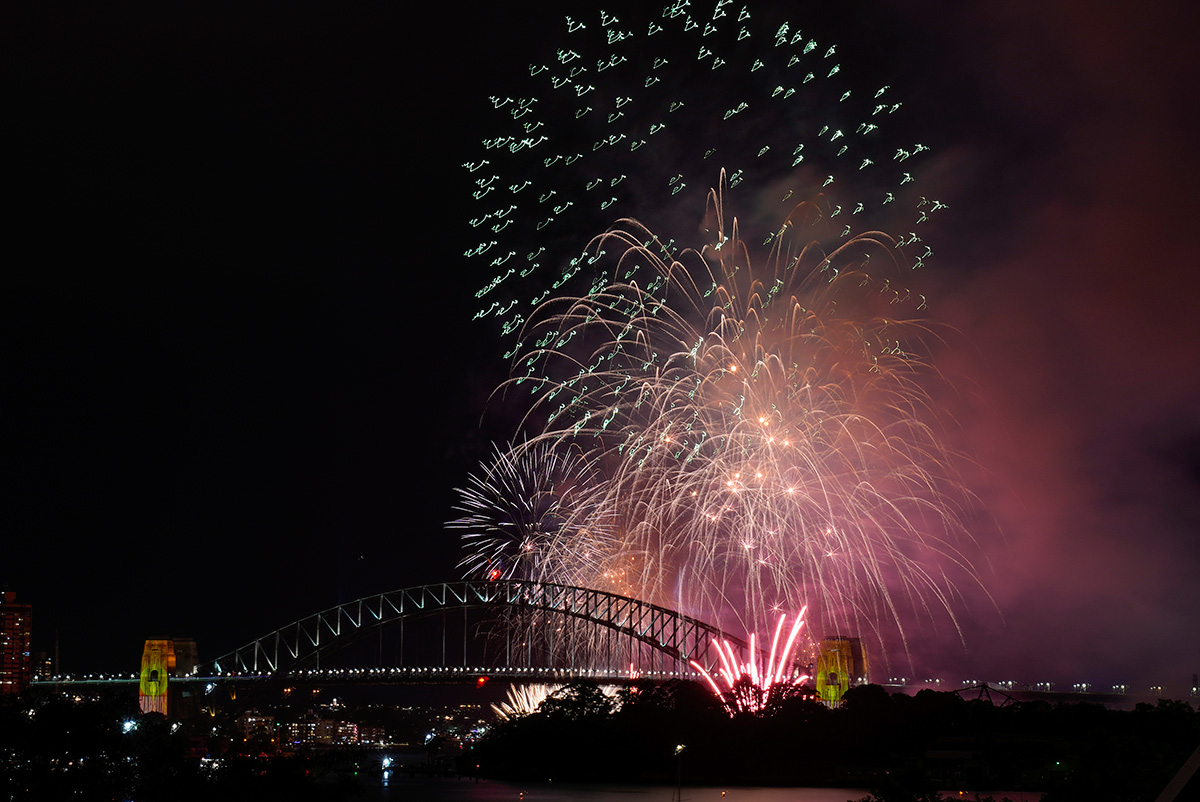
x=903, y=746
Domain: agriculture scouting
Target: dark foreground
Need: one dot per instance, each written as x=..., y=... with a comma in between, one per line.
x=904, y=749
x=902, y=746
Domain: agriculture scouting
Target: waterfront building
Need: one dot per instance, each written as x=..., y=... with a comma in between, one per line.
x=16, y=644
x=258, y=732
x=312, y=730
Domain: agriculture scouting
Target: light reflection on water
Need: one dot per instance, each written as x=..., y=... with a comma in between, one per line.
x=448, y=790
x=434, y=790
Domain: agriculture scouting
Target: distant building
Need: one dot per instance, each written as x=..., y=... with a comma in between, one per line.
x=259, y=731
x=841, y=664
x=43, y=666
x=252, y=723
x=372, y=735
x=16, y=644
x=312, y=730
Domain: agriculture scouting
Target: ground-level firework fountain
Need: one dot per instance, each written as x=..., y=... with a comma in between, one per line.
x=751, y=687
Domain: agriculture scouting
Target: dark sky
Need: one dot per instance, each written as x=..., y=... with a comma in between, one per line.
x=240, y=380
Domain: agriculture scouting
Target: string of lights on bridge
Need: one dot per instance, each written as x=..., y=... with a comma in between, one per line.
x=508, y=673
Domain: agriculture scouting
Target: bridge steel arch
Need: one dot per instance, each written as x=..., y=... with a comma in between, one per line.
x=677, y=637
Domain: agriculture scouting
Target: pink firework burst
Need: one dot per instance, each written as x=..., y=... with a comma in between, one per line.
x=749, y=686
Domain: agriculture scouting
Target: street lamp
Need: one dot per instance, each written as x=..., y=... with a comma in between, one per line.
x=678, y=796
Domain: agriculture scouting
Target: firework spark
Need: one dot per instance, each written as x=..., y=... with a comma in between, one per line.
x=749, y=687
x=523, y=700
x=763, y=429
x=745, y=435
x=628, y=115
x=533, y=513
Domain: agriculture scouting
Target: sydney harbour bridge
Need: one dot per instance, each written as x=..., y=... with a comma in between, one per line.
x=460, y=630
x=512, y=630
x=505, y=628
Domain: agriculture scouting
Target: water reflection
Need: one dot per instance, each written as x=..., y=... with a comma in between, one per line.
x=449, y=790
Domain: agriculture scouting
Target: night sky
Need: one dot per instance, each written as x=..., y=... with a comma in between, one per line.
x=240, y=379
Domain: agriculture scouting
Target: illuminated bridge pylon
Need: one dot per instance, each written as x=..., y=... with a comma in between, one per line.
x=506, y=627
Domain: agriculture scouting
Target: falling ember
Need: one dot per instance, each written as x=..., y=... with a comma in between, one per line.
x=749, y=687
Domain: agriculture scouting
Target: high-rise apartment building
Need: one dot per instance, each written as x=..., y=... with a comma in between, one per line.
x=16, y=644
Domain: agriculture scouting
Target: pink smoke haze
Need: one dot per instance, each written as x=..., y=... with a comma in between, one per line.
x=1081, y=344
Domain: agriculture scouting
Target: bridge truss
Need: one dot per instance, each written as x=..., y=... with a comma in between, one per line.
x=504, y=627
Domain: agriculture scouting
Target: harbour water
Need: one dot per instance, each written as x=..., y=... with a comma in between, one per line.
x=424, y=789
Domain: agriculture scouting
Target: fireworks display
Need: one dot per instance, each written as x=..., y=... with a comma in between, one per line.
x=764, y=432
x=522, y=700
x=534, y=513
x=749, y=687
x=632, y=115
x=738, y=427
